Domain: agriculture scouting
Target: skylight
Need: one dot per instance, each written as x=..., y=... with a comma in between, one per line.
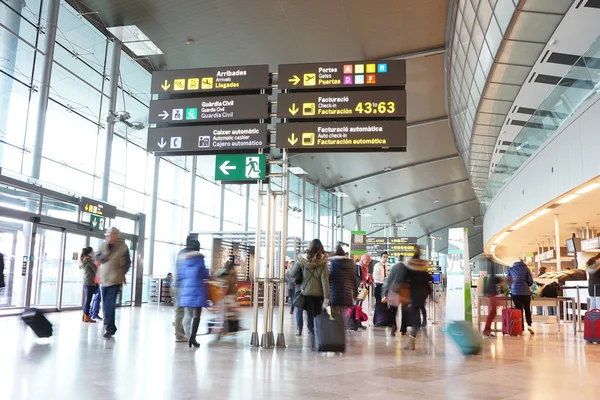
x=135, y=40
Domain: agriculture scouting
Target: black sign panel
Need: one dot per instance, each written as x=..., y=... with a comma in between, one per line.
x=200, y=80
x=207, y=138
x=373, y=104
x=376, y=239
x=403, y=240
x=97, y=207
x=376, y=248
x=342, y=74
x=203, y=109
x=339, y=135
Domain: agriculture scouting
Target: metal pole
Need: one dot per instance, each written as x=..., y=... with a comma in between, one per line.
x=247, y=217
x=140, y=230
x=44, y=93
x=254, y=338
x=587, y=230
x=557, y=241
x=222, y=208
x=358, y=221
x=112, y=105
x=152, y=237
x=318, y=203
x=193, y=192
x=264, y=341
x=303, y=207
x=270, y=336
x=341, y=210
x=284, y=221
x=332, y=223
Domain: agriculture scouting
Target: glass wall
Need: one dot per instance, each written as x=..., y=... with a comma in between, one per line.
x=75, y=135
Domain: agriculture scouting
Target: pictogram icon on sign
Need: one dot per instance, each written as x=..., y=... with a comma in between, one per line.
x=179, y=84
x=310, y=79
x=177, y=114
x=207, y=83
x=193, y=83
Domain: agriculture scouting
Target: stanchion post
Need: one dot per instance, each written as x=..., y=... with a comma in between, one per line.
x=254, y=339
x=273, y=259
x=264, y=342
x=284, y=207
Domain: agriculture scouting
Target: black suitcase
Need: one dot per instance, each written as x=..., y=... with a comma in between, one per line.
x=330, y=333
x=37, y=322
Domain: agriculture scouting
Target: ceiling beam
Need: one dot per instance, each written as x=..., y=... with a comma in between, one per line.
x=428, y=212
x=446, y=227
x=395, y=169
x=407, y=194
x=420, y=53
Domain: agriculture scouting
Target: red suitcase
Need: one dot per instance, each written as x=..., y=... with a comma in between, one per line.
x=591, y=327
x=512, y=322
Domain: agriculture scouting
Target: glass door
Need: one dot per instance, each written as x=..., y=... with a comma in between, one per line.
x=72, y=289
x=48, y=253
x=8, y=246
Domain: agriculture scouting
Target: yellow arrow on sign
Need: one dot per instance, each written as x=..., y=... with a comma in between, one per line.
x=293, y=140
x=294, y=80
x=293, y=110
x=166, y=85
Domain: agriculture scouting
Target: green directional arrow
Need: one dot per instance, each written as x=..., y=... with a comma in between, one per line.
x=240, y=167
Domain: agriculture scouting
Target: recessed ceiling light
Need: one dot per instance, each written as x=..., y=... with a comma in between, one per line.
x=588, y=188
x=567, y=198
x=436, y=201
x=387, y=169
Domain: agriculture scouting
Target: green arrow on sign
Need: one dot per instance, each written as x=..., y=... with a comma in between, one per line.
x=97, y=223
x=240, y=167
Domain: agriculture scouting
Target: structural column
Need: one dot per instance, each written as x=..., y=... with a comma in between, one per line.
x=341, y=210
x=303, y=207
x=44, y=93
x=152, y=237
x=193, y=192
x=222, y=209
x=318, y=203
x=12, y=21
x=557, y=241
x=358, y=220
x=247, y=216
x=112, y=105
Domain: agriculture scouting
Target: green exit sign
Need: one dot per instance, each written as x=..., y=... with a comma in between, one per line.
x=240, y=167
x=97, y=223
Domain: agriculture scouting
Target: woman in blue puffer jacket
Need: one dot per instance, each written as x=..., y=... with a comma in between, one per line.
x=520, y=280
x=191, y=290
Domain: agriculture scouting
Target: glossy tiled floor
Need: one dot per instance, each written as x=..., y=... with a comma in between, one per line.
x=143, y=362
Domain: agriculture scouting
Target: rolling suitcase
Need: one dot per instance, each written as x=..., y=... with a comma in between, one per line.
x=591, y=325
x=37, y=322
x=465, y=337
x=512, y=321
x=330, y=333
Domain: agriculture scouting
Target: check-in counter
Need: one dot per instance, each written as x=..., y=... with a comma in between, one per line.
x=503, y=302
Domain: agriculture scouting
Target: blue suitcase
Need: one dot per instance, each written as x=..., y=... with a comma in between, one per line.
x=465, y=337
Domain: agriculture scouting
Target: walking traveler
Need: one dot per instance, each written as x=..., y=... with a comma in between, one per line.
x=593, y=270
x=416, y=276
x=315, y=283
x=88, y=272
x=115, y=262
x=393, y=283
x=190, y=245
x=191, y=288
x=493, y=290
x=342, y=286
x=520, y=280
x=380, y=272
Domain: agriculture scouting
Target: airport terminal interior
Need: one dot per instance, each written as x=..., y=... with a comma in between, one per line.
x=299, y=199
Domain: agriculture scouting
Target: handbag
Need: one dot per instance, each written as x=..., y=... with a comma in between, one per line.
x=299, y=299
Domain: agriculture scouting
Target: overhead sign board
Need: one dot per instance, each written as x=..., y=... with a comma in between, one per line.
x=590, y=244
x=96, y=207
x=342, y=74
x=205, y=109
x=402, y=240
x=342, y=136
x=358, y=242
x=196, y=80
x=376, y=248
x=376, y=239
x=350, y=104
x=240, y=167
x=207, y=138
